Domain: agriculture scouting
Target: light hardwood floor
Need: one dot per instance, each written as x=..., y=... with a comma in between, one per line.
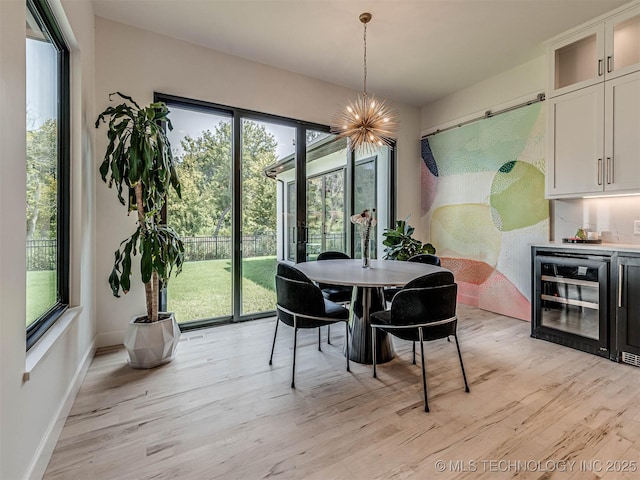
x=219, y=411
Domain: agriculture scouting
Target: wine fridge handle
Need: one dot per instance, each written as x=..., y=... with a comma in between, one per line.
x=620, y=278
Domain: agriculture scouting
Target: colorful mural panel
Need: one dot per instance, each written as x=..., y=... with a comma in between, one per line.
x=483, y=199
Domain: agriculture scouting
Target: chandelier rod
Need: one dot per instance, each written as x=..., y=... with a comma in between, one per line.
x=365, y=59
x=365, y=18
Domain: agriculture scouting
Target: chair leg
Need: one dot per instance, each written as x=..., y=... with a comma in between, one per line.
x=274, y=342
x=319, y=339
x=346, y=324
x=373, y=345
x=293, y=371
x=329, y=334
x=424, y=375
x=464, y=375
x=414, y=353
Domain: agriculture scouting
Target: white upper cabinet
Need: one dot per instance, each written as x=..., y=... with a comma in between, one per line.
x=622, y=134
x=576, y=61
x=575, y=162
x=593, y=139
x=593, y=112
x=598, y=52
x=622, y=43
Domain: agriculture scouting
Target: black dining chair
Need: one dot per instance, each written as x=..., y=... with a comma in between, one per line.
x=423, y=310
x=336, y=293
x=426, y=258
x=300, y=304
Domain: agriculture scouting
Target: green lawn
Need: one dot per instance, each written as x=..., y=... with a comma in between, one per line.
x=41, y=293
x=203, y=289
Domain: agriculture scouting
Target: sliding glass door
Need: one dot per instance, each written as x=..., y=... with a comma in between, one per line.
x=202, y=146
x=263, y=144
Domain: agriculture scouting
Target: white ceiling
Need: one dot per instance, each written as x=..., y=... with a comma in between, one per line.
x=417, y=50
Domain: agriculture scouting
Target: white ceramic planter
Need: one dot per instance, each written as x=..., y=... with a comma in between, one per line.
x=152, y=344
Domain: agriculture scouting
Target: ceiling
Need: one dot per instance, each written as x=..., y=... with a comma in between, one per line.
x=417, y=50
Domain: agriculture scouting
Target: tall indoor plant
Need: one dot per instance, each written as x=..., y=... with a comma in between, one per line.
x=139, y=162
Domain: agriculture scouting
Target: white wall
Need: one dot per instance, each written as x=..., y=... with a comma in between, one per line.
x=32, y=412
x=137, y=62
x=503, y=90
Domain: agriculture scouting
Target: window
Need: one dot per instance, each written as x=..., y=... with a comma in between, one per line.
x=47, y=165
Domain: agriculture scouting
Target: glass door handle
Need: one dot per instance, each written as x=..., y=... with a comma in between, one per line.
x=303, y=236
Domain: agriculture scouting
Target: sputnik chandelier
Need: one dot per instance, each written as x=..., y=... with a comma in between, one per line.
x=367, y=122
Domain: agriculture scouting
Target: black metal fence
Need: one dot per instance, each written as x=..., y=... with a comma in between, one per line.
x=42, y=254
x=213, y=248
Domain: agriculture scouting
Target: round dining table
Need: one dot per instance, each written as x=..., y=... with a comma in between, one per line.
x=367, y=297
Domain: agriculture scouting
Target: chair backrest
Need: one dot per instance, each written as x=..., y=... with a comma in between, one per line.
x=432, y=280
x=331, y=255
x=414, y=306
x=298, y=294
x=289, y=271
x=426, y=258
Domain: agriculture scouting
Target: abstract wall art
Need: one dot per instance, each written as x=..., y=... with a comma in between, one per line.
x=483, y=202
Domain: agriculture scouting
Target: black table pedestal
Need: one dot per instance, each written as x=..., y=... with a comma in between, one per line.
x=365, y=301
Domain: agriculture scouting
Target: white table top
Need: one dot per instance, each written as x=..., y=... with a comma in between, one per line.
x=382, y=273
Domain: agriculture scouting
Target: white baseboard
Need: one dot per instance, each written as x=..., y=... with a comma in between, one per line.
x=109, y=339
x=50, y=438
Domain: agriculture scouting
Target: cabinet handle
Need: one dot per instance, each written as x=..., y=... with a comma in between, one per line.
x=609, y=171
x=600, y=72
x=620, y=278
x=599, y=171
x=609, y=69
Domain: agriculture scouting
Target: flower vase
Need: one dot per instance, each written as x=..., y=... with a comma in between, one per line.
x=365, y=244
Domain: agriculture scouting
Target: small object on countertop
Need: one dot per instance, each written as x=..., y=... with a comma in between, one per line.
x=580, y=240
x=592, y=235
x=581, y=234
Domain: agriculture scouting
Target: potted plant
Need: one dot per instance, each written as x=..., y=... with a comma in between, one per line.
x=399, y=243
x=139, y=162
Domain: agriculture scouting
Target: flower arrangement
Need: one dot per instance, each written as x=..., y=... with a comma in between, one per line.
x=366, y=221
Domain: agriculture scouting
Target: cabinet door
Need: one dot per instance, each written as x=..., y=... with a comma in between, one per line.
x=576, y=61
x=622, y=43
x=575, y=126
x=628, y=305
x=622, y=133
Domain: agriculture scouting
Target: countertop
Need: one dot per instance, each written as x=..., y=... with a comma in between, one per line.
x=609, y=247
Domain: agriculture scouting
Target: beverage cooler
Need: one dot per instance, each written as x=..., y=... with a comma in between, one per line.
x=570, y=301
